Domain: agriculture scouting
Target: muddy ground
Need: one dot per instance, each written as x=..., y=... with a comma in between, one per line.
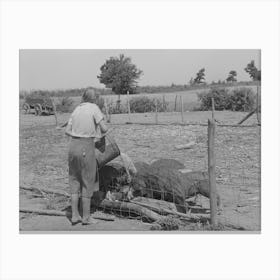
x=43, y=163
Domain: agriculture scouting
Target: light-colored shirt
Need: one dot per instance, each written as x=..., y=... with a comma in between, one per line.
x=84, y=121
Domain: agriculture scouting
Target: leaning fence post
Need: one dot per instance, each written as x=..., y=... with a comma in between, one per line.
x=212, y=171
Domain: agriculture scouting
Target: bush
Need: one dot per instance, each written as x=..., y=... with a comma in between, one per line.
x=142, y=105
x=145, y=104
x=243, y=99
x=240, y=99
x=65, y=105
x=221, y=99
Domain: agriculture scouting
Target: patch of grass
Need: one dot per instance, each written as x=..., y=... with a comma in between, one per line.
x=200, y=226
x=167, y=223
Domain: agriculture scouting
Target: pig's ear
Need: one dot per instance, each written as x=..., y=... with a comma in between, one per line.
x=130, y=194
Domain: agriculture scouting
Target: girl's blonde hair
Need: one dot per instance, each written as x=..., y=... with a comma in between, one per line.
x=89, y=95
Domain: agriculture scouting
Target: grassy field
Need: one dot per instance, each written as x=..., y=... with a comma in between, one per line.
x=190, y=98
x=43, y=162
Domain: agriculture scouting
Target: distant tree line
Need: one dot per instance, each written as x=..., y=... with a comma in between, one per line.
x=142, y=89
x=120, y=75
x=251, y=69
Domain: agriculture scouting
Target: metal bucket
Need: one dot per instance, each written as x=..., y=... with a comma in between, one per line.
x=106, y=150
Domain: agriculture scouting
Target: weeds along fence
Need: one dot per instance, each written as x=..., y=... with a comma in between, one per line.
x=156, y=106
x=145, y=103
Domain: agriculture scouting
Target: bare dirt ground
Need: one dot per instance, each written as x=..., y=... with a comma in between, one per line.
x=43, y=163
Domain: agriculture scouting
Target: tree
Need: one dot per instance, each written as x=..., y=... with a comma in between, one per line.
x=253, y=71
x=200, y=76
x=119, y=74
x=232, y=76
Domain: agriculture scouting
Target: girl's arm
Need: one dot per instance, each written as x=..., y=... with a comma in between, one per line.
x=68, y=127
x=103, y=126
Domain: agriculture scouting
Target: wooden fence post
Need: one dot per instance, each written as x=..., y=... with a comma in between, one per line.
x=164, y=105
x=213, y=108
x=212, y=171
x=258, y=104
x=128, y=106
x=175, y=103
x=156, y=115
x=108, y=116
x=118, y=103
x=54, y=111
x=182, y=108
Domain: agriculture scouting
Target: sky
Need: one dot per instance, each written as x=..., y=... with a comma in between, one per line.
x=65, y=69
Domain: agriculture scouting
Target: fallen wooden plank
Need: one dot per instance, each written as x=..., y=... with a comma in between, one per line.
x=96, y=215
x=185, y=146
x=43, y=212
x=130, y=208
x=46, y=190
x=163, y=209
x=102, y=216
x=155, y=202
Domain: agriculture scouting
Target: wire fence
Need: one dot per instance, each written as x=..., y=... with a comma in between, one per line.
x=157, y=106
x=237, y=151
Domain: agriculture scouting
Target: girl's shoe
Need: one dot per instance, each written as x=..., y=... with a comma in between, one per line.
x=76, y=221
x=89, y=221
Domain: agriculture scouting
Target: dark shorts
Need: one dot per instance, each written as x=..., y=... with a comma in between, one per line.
x=83, y=172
